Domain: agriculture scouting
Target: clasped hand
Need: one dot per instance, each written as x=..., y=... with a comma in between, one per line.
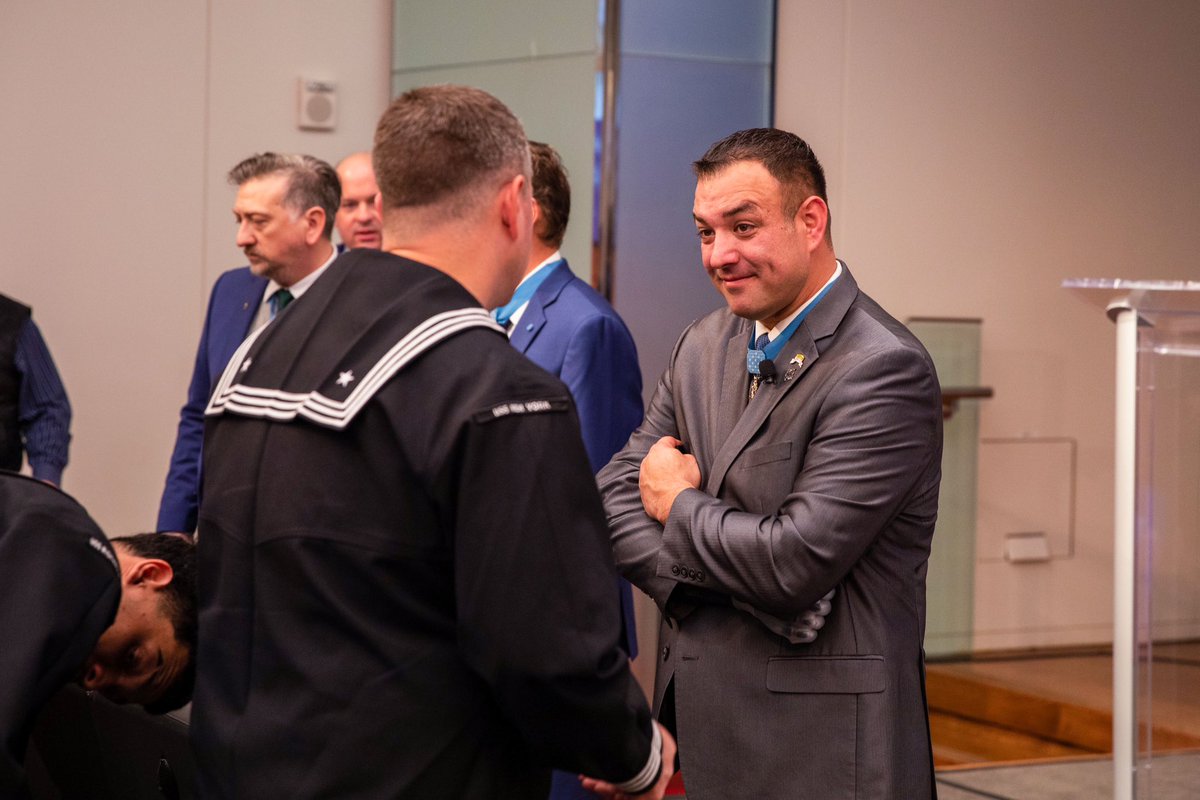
x=666, y=471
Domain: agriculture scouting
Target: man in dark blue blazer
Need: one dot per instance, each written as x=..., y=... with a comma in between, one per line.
x=564, y=326
x=285, y=210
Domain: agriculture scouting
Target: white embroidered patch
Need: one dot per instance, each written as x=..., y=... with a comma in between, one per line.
x=100, y=548
x=519, y=407
x=530, y=407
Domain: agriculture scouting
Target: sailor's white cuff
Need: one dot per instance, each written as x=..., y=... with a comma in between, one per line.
x=649, y=773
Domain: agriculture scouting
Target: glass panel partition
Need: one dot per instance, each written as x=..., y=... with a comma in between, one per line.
x=1156, y=637
x=954, y=345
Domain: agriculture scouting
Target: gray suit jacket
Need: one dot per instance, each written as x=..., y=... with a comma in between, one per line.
x=828, y=479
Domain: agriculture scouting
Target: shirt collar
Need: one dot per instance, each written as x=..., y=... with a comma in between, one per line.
x=554, y=257
x=301, y=286
x=519, y=311
x=760, y=329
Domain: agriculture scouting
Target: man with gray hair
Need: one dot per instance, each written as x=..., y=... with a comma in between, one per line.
x=285, y=209
x=405, y=615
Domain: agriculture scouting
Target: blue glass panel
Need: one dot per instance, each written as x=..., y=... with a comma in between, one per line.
x=669, y=112
x=739, y=30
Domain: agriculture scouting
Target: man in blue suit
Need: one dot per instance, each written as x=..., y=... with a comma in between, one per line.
x=285, y=209
x=564, y=326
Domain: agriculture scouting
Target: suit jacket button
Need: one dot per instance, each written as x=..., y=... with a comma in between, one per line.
x=674, y=569
x=700, y=575
x=666, y=651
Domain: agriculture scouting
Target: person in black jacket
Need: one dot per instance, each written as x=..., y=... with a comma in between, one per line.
x=118, y=617
x=389, y=606
x=35, y=415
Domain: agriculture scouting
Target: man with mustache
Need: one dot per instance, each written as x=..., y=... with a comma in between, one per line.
x=285, y=210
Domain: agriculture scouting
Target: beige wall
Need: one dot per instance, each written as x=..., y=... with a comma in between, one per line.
x=119, y=122
x=538, y=56
x=979, y=152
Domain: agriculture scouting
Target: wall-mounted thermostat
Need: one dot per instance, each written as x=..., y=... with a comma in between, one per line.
x=317, y=107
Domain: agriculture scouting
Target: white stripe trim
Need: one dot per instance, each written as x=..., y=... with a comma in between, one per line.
x=235, y=363
x=276, y=404
x=649, y=774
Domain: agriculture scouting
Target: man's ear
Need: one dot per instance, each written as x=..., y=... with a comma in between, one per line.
x=314, y=225
x=153, y=573
x=813, y=218
x=383, y=232
x=515, y=207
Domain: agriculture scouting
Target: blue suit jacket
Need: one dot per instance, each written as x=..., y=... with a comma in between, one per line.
x=569, y=330
x=231, y=310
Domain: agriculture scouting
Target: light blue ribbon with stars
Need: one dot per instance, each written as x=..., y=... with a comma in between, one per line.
x=525, y=291
x=754, y=356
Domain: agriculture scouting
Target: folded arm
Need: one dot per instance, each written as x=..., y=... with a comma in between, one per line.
x=636, y=536
x=875, y=435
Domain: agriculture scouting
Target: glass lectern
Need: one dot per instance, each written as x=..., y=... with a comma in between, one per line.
x=1156, y=626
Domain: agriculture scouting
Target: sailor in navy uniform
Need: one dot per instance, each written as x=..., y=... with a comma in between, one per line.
x=424, y=597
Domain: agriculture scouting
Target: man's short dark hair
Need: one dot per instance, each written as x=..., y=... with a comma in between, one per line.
x=311, y=181
x=787, y=157
x=552, y=191
x=179, y=601
x=437, y=142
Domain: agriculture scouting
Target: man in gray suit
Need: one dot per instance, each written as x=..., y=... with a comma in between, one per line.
x=778, y=504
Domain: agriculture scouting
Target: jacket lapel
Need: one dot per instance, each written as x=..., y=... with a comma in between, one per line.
x=821, y=323
x=534, y=317
x=251, y=300
x=735, y=384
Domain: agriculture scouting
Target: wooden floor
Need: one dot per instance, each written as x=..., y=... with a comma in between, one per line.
x=1172, y=777
x=1032, y=706
x=1039, y=724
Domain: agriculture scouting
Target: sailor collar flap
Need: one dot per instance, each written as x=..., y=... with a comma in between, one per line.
x=341, y=393
x=324, y=366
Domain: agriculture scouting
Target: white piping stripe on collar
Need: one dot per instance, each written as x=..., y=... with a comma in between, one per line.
x=277, y=404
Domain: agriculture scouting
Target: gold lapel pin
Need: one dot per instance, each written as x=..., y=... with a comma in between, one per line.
x=794, y=366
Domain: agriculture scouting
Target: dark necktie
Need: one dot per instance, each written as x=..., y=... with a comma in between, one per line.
x=279, y=301
x=755, y=380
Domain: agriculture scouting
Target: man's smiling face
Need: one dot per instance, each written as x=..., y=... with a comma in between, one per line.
x=756, y=254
